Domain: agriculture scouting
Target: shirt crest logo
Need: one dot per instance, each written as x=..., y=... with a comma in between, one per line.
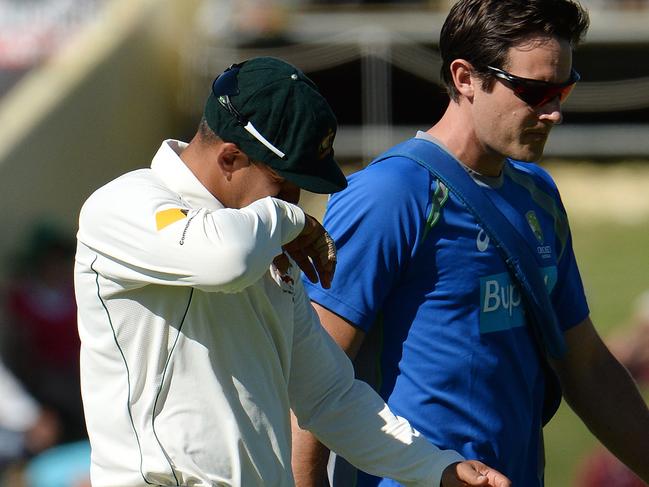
x=533, y=221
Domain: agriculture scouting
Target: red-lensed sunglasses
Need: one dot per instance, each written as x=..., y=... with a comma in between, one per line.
x=534, y=92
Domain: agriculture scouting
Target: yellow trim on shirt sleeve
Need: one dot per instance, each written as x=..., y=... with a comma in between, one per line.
x=164, y=218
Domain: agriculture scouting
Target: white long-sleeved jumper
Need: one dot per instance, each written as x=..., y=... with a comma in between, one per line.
x=194, y=346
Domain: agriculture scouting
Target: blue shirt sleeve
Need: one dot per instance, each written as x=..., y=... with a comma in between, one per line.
x=376, y=223
x=569, y=297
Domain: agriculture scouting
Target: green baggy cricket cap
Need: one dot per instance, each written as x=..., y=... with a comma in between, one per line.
x=277, y=116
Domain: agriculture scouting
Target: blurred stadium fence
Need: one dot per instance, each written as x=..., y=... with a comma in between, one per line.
x=362, y=58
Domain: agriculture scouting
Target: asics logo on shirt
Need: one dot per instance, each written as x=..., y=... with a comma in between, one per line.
x=482, y=242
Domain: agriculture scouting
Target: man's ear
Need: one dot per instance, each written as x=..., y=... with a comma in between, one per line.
x=230, y=158
x=465, y=84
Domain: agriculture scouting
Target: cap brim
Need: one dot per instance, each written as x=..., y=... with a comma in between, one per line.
x=328, y=178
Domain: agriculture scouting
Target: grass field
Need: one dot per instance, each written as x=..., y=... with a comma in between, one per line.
x=609, y=214
x=614, y=261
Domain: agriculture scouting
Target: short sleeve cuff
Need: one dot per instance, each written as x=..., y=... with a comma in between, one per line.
x=332, y=303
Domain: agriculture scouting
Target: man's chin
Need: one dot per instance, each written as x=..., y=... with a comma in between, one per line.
x=528, y=153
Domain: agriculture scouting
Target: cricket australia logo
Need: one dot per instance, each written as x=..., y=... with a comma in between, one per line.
x=533, y=221
x=326, y=145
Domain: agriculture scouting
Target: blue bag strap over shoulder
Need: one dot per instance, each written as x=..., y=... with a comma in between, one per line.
x=515, y=250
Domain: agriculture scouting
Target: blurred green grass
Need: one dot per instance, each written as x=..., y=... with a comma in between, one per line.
x=613, y=256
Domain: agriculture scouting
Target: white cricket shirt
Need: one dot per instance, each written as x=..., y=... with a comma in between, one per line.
x=194, y=347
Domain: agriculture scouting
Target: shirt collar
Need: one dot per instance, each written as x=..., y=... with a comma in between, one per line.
x=168, y=166
x=486, y=181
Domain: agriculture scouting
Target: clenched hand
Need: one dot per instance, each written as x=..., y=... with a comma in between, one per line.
x=314, y=251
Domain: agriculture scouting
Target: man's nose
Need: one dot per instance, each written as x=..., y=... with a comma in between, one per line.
x=551, y=111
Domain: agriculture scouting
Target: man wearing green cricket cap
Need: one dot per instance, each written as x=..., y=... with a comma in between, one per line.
x=197, y=336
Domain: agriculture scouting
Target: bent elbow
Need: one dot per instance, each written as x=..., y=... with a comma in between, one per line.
x=233, y=270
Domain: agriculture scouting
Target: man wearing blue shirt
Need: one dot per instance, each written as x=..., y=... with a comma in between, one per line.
x=418, y=275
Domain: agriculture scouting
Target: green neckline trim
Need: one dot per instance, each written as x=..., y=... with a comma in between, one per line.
x=438, y=200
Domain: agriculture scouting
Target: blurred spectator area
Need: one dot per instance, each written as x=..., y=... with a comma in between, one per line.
x=31, y=30
x=89, y=88
x=378, y=64
x=89, y=92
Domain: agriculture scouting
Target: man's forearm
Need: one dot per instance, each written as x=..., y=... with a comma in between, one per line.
x=612, y=408
x=310, y=458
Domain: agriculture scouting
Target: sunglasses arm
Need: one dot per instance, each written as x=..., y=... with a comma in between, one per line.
x=250, y=128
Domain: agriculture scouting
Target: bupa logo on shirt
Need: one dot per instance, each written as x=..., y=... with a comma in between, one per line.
x=501, y=301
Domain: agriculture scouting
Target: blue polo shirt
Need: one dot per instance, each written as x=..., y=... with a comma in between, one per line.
x=456, y=357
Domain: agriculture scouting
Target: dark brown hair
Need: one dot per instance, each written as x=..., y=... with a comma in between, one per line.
x=206, y=134
x=483, y=31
